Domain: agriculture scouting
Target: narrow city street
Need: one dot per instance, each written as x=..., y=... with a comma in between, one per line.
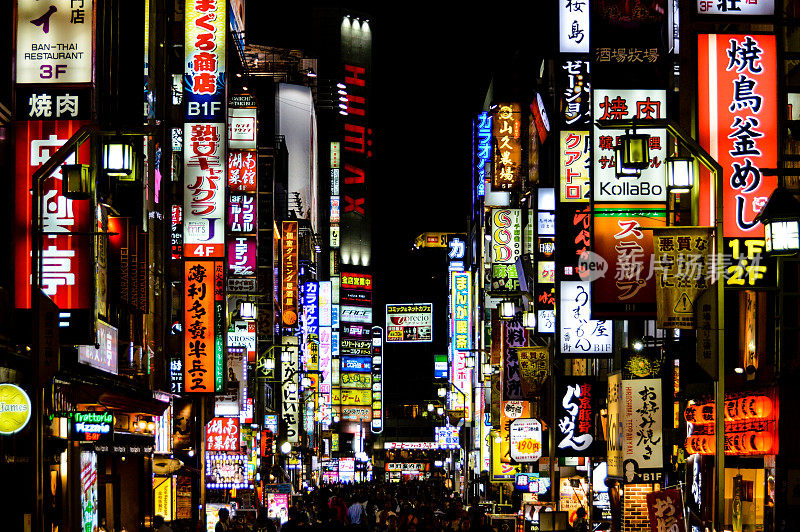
x=400, y=267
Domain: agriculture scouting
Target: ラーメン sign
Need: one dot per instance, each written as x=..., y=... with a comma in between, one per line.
x=526, y=440
x=15, y=409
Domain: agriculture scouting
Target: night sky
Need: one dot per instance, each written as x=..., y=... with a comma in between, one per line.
x=432, y=64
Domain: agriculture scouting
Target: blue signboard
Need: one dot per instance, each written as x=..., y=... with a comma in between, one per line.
x=358, y=364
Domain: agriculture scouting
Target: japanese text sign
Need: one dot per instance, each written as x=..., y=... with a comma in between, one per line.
x=242, y=213
x=665, y=511
x=525, y=438
x=737, y=84
x=573, y=35
x=579, y=334
x=204, y=189
x=682, y=273
x=54, y=41
x=222, y=434
x=242, y=171
x=510, y=410
x=409, y=322
x=576, y=94
x=736, y=7
x=199, y=330
x=508, y=147
x=67, y=261
x=204, y=60
x=461, y=298
x=290, y=396
x=242, y=256
x=289, y=289
x=242, y=128
x=628, y=105
x=574, y=417
x=574, y=165
x=620, y=239
x=506, y=235
x=642, y=438
x=483, y=151
x=534, y=366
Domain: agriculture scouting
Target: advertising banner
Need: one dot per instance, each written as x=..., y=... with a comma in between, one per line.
x=88, y=490
x=575, y=148
x=738, y=118
x=578, y=333
x=204, y=166
x=628, y=286
x=222, y=434
x=575, y=417
x=242, y=171
x=534, y=367
x=199, y=327
x=446, y=437
x=289, y=289
x=236, y=377
x=204, y=60
x=242, y=128
x=507, y=129
x=509, y=411
x=242, y=213
x=734, y=10
x=461, y=311
x=242, y=256
x=409, y=322
x=650, y=186
x=506, y=235
x=355, y=397
x=103, y=357
x=483, y=151
x=290, y=397
x=525, y=438
x=54, y=41
x=576, y=94
x=67, y=260
x=665, y=511
x=683, y=272
x=643, y=443
x=614, y=427
x=356, y=380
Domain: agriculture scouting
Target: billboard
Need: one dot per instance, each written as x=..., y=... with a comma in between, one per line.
x=242, y=128
x=579, y=334
x=575, y=417
x=103, y=355
x=409, y=322
x=573, y=27
x=242, y=171
x=204, y=61
x=290, y=403
x=67, y=261
x=642, y=430
x=525, y=440
x=738, y=119
x=199, y=326
x=204, y=168
x=574, y=163
x=507, y=132
x=289, y=290
x=506, y=235
x=628, y=105
x=54, y=41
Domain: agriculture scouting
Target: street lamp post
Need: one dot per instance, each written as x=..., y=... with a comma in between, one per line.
x=719, y=384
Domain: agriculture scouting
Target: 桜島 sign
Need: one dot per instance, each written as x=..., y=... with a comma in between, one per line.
x=573, y=35
x=579, y=334
x=525, y=437
x=199, y=326
x=574, y=416
x=643, y=442
x=54, y=41
x=738, y=118
x=628, y=105
x=683, y=273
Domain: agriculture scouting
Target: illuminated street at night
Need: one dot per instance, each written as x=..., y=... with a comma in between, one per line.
x=400, y=267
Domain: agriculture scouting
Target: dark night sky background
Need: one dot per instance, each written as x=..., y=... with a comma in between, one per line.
x=432, y=64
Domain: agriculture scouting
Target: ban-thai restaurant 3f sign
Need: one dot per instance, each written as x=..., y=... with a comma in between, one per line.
x=737, y=87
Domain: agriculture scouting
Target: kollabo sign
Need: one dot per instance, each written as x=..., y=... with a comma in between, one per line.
x=15, y=409
x=628, y=105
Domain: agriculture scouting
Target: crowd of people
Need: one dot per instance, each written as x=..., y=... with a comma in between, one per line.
x=408, y=507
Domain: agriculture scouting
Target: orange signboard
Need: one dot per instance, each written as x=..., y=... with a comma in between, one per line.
x=199, y=347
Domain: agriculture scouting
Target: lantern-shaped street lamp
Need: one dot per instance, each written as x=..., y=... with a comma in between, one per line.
x=635, y=151
x=529, y=319
x=507, y=310
x=781, y=219
x=621, y=170
x=680, y=174
x=118, y=158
